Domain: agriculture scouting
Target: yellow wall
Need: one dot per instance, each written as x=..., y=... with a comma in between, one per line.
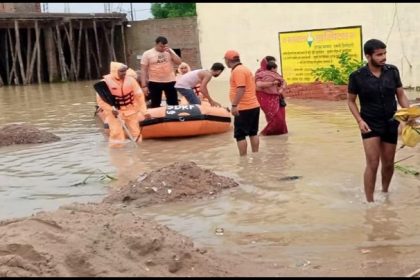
x=252, y=29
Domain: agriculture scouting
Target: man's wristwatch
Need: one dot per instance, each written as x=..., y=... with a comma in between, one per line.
x=234, y=105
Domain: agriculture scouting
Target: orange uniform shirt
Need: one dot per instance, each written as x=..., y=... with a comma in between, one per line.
x=242, y=76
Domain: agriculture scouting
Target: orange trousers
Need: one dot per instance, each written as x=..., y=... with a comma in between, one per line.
x=116, y=131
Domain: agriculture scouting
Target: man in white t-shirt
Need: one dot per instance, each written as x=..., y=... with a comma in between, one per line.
x=187, y=82
x=157, y=73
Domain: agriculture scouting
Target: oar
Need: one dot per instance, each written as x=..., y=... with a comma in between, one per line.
x=124, y=126
x=103, y=91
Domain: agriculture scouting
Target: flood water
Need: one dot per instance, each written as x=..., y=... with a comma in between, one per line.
x=321, y=213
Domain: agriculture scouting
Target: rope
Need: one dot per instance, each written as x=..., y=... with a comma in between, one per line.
x=392, y=25
x=401, y=39
x=404, y=56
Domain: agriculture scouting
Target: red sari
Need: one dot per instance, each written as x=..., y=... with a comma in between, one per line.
x=269, y=101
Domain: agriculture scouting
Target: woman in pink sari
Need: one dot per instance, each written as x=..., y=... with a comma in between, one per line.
x=270, y=86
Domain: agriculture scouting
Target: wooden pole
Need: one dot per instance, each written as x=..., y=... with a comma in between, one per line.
x=79, y=42
x=69, y=35
x=61, y=55
x=66, y=37
x=18, y=50
x=67, y=69
x=9, y=38
x=32, y=63
x=38, y=52
x=88, y=74
x=123, y=41
x=6, y=47
x=51, y=54
x=114, y=57
x=97, y=44
x=30, y=57
x=13, y=73
x=1, y=79
x=6, y=57
x=107, y=41
x=96, y=64
x=28, y=53
x=14, y=56
x=72, y=52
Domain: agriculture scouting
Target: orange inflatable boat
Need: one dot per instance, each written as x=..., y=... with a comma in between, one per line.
x=181, y=121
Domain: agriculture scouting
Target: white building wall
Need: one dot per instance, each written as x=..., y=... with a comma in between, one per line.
x=252, y=29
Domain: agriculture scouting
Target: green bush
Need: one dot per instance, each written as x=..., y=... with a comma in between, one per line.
x=338, y=75
x=171, y=10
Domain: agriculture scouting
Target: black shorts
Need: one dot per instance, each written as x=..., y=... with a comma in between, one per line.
x=155, y=93
x=246, y=124
x=388, y=135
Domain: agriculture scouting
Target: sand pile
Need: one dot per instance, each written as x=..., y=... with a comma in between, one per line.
x=98, y=240
x=24, y=134
x=178, y=181
x=111, y=239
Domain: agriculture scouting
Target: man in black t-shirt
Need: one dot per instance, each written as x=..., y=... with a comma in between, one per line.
x=377, y=85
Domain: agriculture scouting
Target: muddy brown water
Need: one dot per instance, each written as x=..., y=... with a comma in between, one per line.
x=316, y=218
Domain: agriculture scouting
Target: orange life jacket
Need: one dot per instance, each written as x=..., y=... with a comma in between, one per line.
x=123, y=93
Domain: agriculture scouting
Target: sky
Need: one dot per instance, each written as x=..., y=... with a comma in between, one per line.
x=141, y=11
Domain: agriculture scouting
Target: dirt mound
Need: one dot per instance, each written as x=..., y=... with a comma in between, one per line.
x=98, y=240
x=112, y=239
x=178, y=181
x=24, y=134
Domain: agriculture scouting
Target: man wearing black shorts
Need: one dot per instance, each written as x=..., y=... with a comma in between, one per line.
x=245, y=106
x=157, y=73
x=377, y=84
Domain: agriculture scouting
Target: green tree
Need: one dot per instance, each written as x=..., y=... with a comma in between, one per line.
x=169, y=10
x=339, y=75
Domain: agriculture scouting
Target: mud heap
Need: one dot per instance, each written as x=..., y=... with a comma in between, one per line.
x=175, y=182
x=111, y=239
x=24, y=134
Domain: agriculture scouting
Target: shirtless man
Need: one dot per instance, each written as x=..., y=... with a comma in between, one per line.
x=187, y=82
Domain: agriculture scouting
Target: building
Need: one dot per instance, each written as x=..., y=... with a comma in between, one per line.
x=252, y=29
x=51, y=47
x=182, y=35
x=20, y=7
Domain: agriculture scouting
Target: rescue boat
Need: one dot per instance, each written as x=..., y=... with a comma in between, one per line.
x=183, y=120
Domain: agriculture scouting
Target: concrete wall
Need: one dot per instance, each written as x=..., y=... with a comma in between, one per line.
x=252, y=29
x=20, y=7
x=181, y=33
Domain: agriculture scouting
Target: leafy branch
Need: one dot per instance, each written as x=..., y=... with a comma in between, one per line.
x=407, y=170
x=339, y=75
x=103, y=177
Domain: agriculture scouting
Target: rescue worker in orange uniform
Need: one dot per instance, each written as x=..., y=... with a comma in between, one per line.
x=127, y=93
x=140, y=99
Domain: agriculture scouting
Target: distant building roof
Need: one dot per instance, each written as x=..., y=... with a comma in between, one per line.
x=27, y=19
x=34, y=15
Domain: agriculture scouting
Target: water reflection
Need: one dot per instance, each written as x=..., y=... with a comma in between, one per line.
x=384, y=248
x=129, y=163
x=384, y=223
